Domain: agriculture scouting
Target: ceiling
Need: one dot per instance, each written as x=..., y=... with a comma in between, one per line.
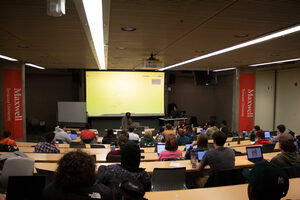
x=174, y=30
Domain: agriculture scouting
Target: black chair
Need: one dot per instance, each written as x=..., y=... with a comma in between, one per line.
x=226, y=177
x=164, y=179
x=77, y=145
x=113, y=158
x=96, y=146
x=268, y=148
x=293, y=172
x=87, y=141
x=236, y=139
x=49, y=175
x=173, y=159
x=25, y=187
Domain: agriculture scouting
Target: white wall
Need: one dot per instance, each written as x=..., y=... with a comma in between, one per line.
x=264, y=99
x=288, y=99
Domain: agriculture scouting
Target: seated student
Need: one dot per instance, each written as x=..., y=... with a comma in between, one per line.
x=110, y=137
x=88, y=136
x=224, y=128
x=188, y=131
x=219, y=158
x=132, y=135
x=267, y=181
x=159, y=137
x=7, y=140
x=122, y=139
x=113, y=175
x=168, y=130
x=49, y=146
x=171, y=148
x=288, y=156
x=61, y=134
x=182, y=138
x=202, y=144
x=280, y=130
x=75, y=178
x=211, y=129
x=148, y=140
x=252, y=134
x=261, y=138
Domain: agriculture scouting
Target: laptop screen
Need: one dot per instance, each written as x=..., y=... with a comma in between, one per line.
x=203, y=131
x=246, y=133
x=160, y=148
x=72, y=136
x=198, y=130
x=254, y=152
x=201, y=154
x=267, y=135
x=187, y=147
x=296, y=144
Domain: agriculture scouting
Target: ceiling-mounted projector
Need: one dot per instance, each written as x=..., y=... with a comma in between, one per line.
x=56, y=8
x=152, y=62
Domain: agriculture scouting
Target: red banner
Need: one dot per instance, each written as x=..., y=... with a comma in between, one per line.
x=246, y=107
x=13, y=102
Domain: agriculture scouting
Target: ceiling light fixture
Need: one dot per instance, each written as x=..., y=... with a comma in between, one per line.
x=128, y=29
x=94, y=14
x=245, y=44
x=35, y=66
x=275, y=62
x=225, y=69
x=8, y=58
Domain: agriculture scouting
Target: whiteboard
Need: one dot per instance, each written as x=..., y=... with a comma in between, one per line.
x=68, y=111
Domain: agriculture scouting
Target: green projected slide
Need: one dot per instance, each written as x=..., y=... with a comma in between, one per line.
x=115, y=93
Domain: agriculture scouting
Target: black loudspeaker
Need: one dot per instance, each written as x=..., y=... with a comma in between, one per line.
x=171, y=79
x=205, y=78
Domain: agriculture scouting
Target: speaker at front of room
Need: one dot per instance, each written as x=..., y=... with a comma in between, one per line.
x=205, y=78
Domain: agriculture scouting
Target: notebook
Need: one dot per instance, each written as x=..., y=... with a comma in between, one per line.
x=267, y=135
x=254, y=154
x=200, y=154
x=160, y=148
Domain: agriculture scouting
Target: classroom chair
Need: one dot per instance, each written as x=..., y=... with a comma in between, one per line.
x=293, y=172
x=49, y=175
x=97, y=146
x=77, y=145
x=225, y=177
x=113, y=158
x=168, y=179
x=268, y=148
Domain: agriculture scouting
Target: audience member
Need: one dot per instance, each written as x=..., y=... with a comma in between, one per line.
x=280, y=130
x=49, y=146
x=75, y=178
x=171, y=149
x=261, y=138
x=110, y=137
x=113, y=175
x=267, y=181
x=288, y=156
x=252, y=134
x=211, y=129
x=182, y=138
x=202, y=144
x=132, y=135
x=88, y=136
x=126, y=121
x=122, y=139
x=219, y=158
x=7, y=140
x=160, y=138
x=168, y=130
x=148, y=140
x=61, y=134
x=224, y=128
x=188, y=131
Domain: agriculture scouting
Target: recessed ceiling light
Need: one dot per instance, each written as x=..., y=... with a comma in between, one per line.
x=8, y=58
x=238, y=46
x=128, y=28
x=241, y=35
x=121, y=48
x=275, y=62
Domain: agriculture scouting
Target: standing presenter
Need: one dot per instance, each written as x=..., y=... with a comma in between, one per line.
x=126, y=121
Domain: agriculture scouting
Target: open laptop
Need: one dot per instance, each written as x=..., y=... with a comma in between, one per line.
x=245, y=133
x=187, y=146
x=267, y=135
x=160, y=148
x=72, y=136
x=200, y=154
x=203, y=131
x=254, y=154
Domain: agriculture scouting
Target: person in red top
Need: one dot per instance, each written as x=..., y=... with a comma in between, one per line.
x=87, y=135
x=7, y=140
x=261, y=138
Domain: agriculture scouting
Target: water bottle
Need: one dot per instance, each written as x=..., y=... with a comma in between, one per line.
x=239, y=139
x=112, y=146
x=194, y=158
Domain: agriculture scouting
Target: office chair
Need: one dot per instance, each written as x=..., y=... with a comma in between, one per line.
x=293, y=172
x=226, y=177
x=49, y=175
x=168, y=179
x=77, y=145
x=268, y=148
x=97, y=146
x=113, y=158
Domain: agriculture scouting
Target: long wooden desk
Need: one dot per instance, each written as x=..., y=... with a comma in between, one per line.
x=234, y=192
x=240, y=162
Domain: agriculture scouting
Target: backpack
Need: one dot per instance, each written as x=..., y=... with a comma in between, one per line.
x=7, y=148
x=131, y=190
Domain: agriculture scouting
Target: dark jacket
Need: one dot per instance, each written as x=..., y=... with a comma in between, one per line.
x=286, y=159
x=98, y=191
x=148, y=142
x=184, y=140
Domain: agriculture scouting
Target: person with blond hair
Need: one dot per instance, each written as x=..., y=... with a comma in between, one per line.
x=148, y=140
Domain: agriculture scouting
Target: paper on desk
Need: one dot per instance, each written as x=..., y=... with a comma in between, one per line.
x=173, y=164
